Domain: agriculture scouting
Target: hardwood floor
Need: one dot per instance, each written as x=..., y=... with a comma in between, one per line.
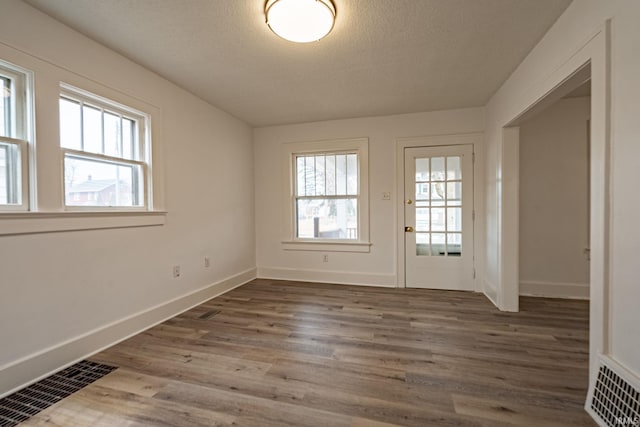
x=301, y=354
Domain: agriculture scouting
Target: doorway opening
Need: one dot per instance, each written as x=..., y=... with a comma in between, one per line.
x=548, y=156
x=554, y=223
x=554, y=187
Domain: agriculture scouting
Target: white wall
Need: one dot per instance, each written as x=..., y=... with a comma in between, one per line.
x=572, y=30
x=379, y=266
x=554, y=201
x=56, y=288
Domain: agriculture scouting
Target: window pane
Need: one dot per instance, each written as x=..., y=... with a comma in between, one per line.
x=300, y=175
x=319, y=172
x=352, y=174
x=92, y=131
x=70, y=124
x=437, y=219
x=326, y=175
x=112, y=138
x=422, y=244
x=437, y=169
x=341, y=174
x=454, y=244
x=96, y=183
x=422, y=219
x=422, y=169
x=454, y=193
x=454, y=219
x=128, y=139
x=330, y=175
x=327, y=218
x=422, y=191
x=453, y=168
x=310, y=177
x=438, y=244
x=437, y=193
x=10, y=175
x=5, y=107
x=4, y=167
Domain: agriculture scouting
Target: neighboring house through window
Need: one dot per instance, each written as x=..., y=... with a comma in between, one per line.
x=106, y=152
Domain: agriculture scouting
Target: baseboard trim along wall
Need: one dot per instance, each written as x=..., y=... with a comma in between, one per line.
x=324, y=276
x=490, y=291
x=555, y=290
x=34, y=367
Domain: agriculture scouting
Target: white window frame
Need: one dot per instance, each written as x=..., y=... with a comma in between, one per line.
x=143, y=157
x=22, y=129
x=42, y=209
x=359, y=146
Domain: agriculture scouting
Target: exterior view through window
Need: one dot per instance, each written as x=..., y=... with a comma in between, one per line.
x=439, y=206
x=326, y=196
x=104, y=153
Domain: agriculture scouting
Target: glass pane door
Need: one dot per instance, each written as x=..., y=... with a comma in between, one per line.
x=438, y=204
x=438, y=215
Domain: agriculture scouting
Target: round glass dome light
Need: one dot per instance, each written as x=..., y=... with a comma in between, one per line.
x=300, y=21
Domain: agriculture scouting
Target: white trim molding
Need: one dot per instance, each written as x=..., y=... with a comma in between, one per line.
x=289, y=241
x=554, y=290
x=50, y=222
x=34, y=367
x=324, y=276
x=490, y=290
x=326, y=246
x=46, y=211
x=522, y=95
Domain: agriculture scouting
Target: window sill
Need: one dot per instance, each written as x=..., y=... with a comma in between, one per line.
x=326, y=246
x=13, y=223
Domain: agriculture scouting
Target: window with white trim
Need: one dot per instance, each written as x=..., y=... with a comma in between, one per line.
x=15, y=131
x=106, y=152
x=329, y=195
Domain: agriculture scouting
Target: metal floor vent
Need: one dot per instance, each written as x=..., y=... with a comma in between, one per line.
x=24, y=404
x=208, y=315
x=615, y=398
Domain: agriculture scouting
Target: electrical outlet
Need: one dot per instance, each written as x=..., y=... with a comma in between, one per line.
x=207, y=262
x=325, y=258
x=176, y=271
x=386, y=195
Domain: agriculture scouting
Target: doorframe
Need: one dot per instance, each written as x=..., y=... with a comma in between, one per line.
x=592, y=57
x=474, y=139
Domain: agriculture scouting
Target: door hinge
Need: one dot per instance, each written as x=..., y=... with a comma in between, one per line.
x=473, y=157
x=474, y=273
x=473, y=215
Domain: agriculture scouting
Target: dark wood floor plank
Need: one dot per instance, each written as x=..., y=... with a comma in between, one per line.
x=275, y=353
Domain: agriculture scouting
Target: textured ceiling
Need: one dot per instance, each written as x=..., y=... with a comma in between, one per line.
x=383, y=56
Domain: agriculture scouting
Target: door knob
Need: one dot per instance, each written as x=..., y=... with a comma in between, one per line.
x=408, y=229
x=409, y=201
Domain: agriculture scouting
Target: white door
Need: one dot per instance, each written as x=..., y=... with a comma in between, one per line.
x=438, y=213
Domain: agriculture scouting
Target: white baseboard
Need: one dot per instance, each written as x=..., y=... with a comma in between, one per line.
x=323, y=276
x=490, y=291
x=555, y=290
x=34, y=367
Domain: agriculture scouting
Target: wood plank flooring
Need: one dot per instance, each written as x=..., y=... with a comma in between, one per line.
x=301, y=354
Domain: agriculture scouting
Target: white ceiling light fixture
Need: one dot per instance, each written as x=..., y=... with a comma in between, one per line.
x=300, y=21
